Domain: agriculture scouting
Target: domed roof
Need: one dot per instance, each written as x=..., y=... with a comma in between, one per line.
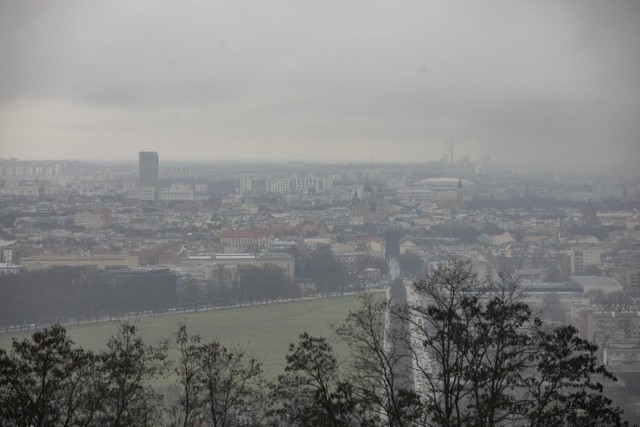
x=444, y=182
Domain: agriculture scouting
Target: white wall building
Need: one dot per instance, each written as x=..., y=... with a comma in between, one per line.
x=584, y=256
x=141, y=193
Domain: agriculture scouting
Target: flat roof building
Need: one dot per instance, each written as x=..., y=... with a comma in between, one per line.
x=607, y=285
x=99, y=261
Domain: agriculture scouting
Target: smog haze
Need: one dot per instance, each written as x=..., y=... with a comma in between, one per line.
x=553, y=83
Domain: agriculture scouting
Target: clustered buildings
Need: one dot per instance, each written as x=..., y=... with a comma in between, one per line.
x=573, y=241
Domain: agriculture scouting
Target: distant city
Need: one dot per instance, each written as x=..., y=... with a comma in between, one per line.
x=193, y=229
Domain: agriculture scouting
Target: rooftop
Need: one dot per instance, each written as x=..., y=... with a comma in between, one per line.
x=595, y=281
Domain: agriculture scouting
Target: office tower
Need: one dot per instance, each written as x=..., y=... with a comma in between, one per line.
x=148, y=164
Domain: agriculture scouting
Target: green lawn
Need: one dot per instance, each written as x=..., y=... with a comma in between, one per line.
x=265, y=330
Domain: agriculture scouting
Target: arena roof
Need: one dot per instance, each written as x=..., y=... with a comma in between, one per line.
x=444, y=182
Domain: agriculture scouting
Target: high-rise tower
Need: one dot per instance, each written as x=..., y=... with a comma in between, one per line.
x=148, y=165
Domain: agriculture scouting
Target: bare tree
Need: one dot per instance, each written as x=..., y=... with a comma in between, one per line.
x=188, y=369
x=380, y=365
x=312, y=391
x=232, y=384
x=561, y=389
x=439, y=314
x=482, y=358
x=219, y=386
x=502, y=343
x=128, y=365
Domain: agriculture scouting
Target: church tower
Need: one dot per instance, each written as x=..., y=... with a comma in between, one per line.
x=367, y=192
x=589, y=215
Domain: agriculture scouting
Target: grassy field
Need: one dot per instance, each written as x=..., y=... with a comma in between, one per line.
x=264, y=330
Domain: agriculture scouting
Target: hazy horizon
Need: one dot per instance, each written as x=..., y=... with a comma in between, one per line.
x=554, y=84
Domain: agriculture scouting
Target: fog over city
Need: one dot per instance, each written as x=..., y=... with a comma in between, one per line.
x=319, y=213
x=556, y=83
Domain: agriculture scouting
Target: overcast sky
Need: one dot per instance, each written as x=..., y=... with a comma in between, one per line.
x=549, y=80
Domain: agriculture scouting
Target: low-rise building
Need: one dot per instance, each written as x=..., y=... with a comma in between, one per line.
x=607, y=285
x=6, y=268
x=84, y=260
x=253, y=237
x=201, y=267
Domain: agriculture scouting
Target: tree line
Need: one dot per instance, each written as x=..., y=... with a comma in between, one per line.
x=65, y=294
x=82, y=294
x=248, y=284
x=450, y=352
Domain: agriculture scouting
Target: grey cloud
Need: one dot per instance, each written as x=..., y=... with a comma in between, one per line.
x=512, y=78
